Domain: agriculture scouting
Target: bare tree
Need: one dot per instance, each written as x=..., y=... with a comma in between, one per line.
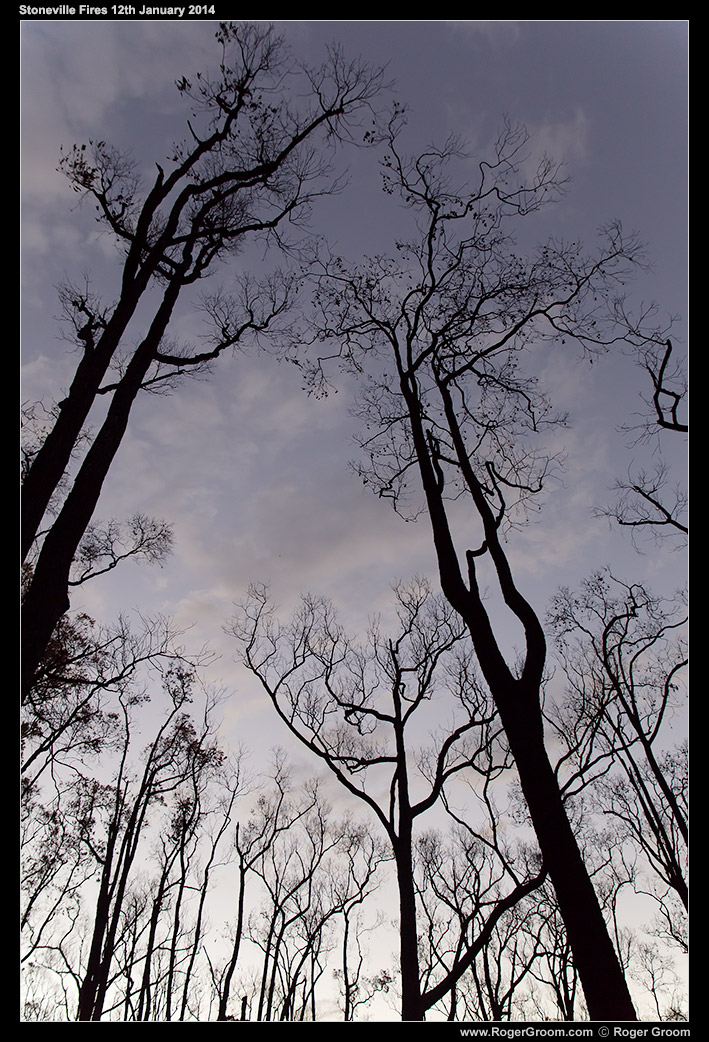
x=553, y=964
x=445, y=337
x=363, y=854
x=274, y=813
x=258, y=153
x=352, y=706
x=669, y=384
x=463, y=884
x=103, y=547
x=656, y=974
x=74, y=725
x=288, y=925
x=56, y=863
x=306, y=871
x=169, y=949
x=69, y=715
x=623, y=653
x=177, y=753
x=101, y=804
x=650, y=500
x=232, y=786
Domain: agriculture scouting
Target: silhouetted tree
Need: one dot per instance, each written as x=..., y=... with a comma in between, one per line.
x=113, y=830
x=257, y=155
x=623, y=653
x=553, y=966
x=352, y=706
x=103, y=547
x=445, y=336
x=231, y=787
x=274, y=812
x=73, y=726
x=57, y=862
x=361, y=855
x=463, y=880
x=650, y=501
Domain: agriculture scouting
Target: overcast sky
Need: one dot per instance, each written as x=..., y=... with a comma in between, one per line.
x=251, y=472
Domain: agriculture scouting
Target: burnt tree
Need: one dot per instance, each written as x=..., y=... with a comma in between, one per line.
x=257, y=155
x=444, y=338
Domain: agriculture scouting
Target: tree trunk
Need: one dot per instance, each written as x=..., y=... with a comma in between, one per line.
x=226, y=985
x=47, y=598
x=604, y=985
x=411, y=1004
x=52, y=459
x=518, y=702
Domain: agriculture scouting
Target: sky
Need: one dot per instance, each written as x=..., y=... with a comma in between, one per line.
x=251, y=472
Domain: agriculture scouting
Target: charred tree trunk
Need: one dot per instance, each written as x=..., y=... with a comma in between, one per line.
x=604, y=985
x=236, y=946
x=47, y=598
x=411, y=1003
x=518, y=702
x=51, y=462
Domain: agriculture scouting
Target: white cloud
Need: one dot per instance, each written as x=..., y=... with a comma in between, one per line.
x=563, y=139
x=500, y=34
